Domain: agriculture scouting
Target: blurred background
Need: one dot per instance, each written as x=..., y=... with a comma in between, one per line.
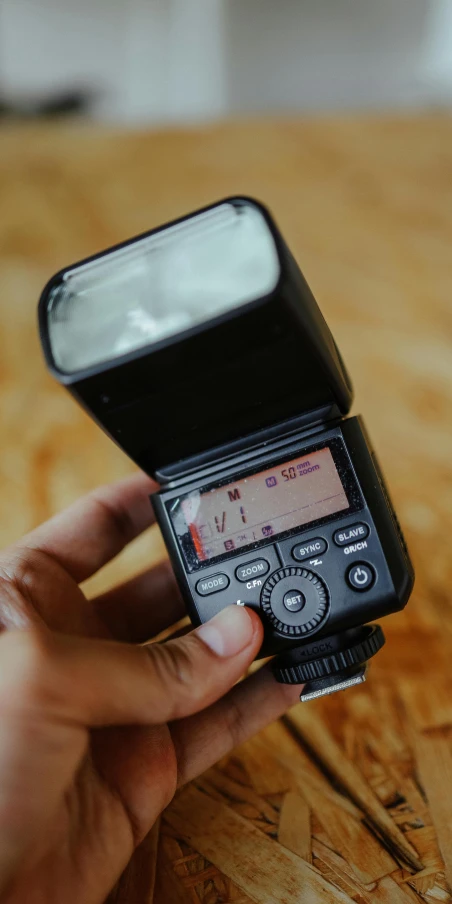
x=170, y=61
x=118, y=115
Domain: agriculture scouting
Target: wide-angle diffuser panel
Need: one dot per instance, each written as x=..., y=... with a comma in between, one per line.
x=161, y=285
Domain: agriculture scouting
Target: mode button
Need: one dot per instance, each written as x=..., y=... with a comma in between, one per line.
x=213, y=584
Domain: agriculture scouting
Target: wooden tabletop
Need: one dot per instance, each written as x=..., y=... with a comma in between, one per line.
x=351, y=797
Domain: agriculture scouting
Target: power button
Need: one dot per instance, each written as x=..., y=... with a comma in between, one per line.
x=361, y=576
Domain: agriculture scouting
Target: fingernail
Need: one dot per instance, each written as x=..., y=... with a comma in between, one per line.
x=229, y=632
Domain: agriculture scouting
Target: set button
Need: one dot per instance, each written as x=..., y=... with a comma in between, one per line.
x=253, y=569
x=212, y=584
x=351, y=534
x=310, y=549
x=294, y=600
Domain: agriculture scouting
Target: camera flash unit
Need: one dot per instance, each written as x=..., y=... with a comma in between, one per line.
x=199, y=348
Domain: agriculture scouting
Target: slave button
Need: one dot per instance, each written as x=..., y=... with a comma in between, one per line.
x=346, y=535
x=361, y=576
x=212, y=584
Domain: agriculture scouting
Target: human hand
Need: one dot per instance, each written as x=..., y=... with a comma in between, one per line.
x=97, y=732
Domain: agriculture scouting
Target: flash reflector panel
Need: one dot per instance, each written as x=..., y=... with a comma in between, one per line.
x=161, y=285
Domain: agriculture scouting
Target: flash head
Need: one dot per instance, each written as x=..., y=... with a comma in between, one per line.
x=186, y=339
x=160, y=286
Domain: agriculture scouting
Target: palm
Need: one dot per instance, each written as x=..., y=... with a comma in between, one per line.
x=91, y=838
x=120, y=778
x=111, y=803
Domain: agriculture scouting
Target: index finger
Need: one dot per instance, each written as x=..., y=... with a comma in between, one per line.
x=97, y=527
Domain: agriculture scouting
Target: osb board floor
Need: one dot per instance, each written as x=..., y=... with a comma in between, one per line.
x=349, y=798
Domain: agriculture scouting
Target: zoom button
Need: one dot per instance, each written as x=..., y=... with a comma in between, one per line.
x=253, y=569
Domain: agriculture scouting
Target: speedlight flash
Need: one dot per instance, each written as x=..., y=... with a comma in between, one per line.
x=199, y=348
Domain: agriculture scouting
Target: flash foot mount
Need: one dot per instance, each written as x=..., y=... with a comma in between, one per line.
x=331, y=663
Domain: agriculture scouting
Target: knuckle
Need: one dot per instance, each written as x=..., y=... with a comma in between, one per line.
x=235, y=722
x=115, y=516
x=20, y=566
x=173, y=663
x=173, y=668
x=21, y=571
x=28, y=576
x=30, y=655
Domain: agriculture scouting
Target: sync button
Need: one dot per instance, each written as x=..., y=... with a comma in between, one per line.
x=310, y=549
x=213, y=584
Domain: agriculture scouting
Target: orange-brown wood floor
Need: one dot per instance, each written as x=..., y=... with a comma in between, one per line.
x=350, y=798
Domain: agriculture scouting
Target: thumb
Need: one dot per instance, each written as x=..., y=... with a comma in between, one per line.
x=98, y=683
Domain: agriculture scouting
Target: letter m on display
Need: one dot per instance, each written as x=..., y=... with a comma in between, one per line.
x=234, y=495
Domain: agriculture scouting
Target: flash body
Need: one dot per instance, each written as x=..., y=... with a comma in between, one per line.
x=200, y=349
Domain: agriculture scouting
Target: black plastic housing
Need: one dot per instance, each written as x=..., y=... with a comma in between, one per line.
x=274, y=359
x=385, y=548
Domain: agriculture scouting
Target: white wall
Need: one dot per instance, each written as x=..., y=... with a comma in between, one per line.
x=171, y=60
x=47, y=45
x=323, y=54
x=437, y=51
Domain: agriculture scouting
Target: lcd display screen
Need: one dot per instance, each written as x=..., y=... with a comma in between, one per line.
x=263, y=505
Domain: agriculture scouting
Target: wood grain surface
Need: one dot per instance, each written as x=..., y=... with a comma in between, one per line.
x=349, y=798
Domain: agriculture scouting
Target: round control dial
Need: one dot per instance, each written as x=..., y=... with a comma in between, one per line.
x=295, y=601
